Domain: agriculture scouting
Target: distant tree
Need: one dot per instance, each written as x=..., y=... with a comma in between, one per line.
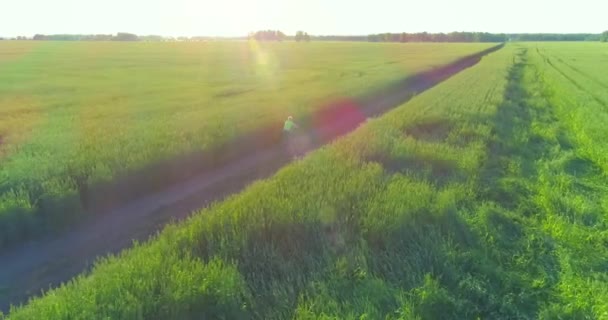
x=549, y=37
x=279, y=36
x=425, y=37
x=302, y=36
x=340, y=38
x=199, y=38
x=593, y=37
x=604, y=36
x=439, y=37
x=268, y=35
x=39, y=37
x=151, y=38
x=101, y=37
x=299, y=36
x=123, y=36
x=306, y=37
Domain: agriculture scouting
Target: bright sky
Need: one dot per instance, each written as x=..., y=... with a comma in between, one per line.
x=339, y=17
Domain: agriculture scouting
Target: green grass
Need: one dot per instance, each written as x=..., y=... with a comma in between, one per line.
x=573, y=182
x=78, y=114
x=481, y=198
x=383, y=224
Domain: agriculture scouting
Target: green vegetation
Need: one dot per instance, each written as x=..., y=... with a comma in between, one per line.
x=78, y=114
x=386, y=223
x=481, y=198
x=573, y=185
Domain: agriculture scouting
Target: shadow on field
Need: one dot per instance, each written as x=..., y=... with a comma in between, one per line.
x=281, y=267
x=581, y=167
x=515, y=141
x=438, y=171
x=137, y=205
x=432, y=130
x=507, y=193
x=338, y=260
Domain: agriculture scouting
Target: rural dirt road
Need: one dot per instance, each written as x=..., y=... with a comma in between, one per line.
x=28, y=269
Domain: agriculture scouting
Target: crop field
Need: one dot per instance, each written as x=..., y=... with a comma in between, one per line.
x=482, y=198
x=73, y=115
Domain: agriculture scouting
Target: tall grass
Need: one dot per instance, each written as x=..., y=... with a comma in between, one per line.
x=377, y=224
x=572, y=184
x=475, y=200
x=75, y=115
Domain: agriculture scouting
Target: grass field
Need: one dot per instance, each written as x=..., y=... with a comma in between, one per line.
x=481, y=198
x=77, y=114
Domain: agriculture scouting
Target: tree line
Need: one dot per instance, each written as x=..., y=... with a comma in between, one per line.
x=479, y=37
x=15, y=38
x=555, y=37
x=277, y=35
x=121, y=36
x=268, y=35
x=302, y=36
x=438, y=37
